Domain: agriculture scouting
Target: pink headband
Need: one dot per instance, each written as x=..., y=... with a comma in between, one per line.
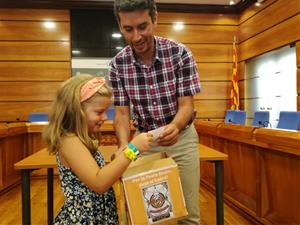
x=91, y=87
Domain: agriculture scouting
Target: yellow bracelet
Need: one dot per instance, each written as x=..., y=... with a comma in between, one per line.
x=129, y=153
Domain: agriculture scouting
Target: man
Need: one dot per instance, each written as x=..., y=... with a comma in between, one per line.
x=159, y=78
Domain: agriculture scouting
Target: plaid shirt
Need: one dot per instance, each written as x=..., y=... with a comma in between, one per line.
x=153, y=90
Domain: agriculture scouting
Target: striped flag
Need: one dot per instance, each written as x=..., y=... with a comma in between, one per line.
x=234, y=92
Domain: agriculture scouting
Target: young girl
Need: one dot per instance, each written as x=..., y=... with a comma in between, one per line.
x=79, y=111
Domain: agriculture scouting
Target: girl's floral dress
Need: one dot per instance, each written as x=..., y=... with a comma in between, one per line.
x=82, y=205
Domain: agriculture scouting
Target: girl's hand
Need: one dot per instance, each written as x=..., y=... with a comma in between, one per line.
x=142, y=141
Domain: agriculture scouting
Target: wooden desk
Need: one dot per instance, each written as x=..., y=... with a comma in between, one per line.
x=211, y=155
x=42, y=159
x=38, y=160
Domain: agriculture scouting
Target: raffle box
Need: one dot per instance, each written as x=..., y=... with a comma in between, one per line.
x=153, y=190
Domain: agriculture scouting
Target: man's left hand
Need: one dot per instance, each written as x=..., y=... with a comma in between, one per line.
x=169, y=135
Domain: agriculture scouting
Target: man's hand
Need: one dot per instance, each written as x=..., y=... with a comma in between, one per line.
x=169, y=135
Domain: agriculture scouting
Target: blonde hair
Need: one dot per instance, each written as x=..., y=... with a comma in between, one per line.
x=67, y=116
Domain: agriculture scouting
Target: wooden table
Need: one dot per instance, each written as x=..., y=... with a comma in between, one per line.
x=216, y=157
x=42, y=159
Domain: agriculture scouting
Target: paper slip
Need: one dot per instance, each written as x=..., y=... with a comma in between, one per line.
x=156, y=132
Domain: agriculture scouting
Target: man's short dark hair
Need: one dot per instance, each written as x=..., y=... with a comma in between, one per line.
x=133, y=5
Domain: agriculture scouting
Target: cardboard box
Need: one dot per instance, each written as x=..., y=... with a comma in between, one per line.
x=153, y=190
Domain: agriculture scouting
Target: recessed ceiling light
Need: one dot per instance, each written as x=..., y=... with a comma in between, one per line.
x=178, y=26
x=76, y=52
x=116, y=35
x=231, y=2
x=49, y=24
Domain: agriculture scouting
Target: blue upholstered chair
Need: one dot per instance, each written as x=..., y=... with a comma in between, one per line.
x=289, y=120
x=261, y=119
x=235, y=117
x=110, y=113
x=229, y=116
x=239, y=117
x=38, y=117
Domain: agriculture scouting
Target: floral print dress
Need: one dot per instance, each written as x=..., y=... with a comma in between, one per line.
x=82, y=205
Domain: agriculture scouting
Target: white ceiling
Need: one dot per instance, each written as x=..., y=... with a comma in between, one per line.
x=200, y=2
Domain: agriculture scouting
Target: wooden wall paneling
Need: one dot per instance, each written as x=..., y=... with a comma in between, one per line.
x=275, y=14
x=207, y=128
x=35, y=51
x=241, y=70
x=213, y=90
x=282, y=172
x=197, y=18
x=281, y=140
x=261, y=176
x=207, y=174
x=209, y=53
x=19, y=111
x=242, y=103
x=14, y=151
x=34, y=143
x=28, y=91
x=242, y=89
x=33, y=31
x=253, y=9
x=3, y=134
x=239, y=186
x=298, y=103
x=298, y=53
x=34, y=71
x=211, y=109
x=236, y=132
x=32, y=55
x=266, y=40
x=214, y=71
x=198, y=33
x=3, y=130
x=241, y=74
x=34, y=14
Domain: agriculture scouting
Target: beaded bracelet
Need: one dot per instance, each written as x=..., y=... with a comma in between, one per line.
x=131, y=146
x=130, y=154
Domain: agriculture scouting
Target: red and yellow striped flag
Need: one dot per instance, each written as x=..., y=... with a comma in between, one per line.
x=234, y=92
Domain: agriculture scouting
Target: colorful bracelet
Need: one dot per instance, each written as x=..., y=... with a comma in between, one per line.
x=131, y=146
x=130, y=154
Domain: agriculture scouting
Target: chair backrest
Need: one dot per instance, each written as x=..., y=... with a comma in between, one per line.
x=235, y=117
x=289, y=120
x=38, y=117
x=261, y=119
x=239, y=117
x=229, y=116
x=110, y=113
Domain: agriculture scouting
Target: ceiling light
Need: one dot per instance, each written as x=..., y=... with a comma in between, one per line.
x=76, y=52
x=258, y=2
x=116, y=35
x=178, y=26
x=49, y=24
x=231, y=2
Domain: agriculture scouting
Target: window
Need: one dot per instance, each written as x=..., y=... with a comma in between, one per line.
x=271, y=83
